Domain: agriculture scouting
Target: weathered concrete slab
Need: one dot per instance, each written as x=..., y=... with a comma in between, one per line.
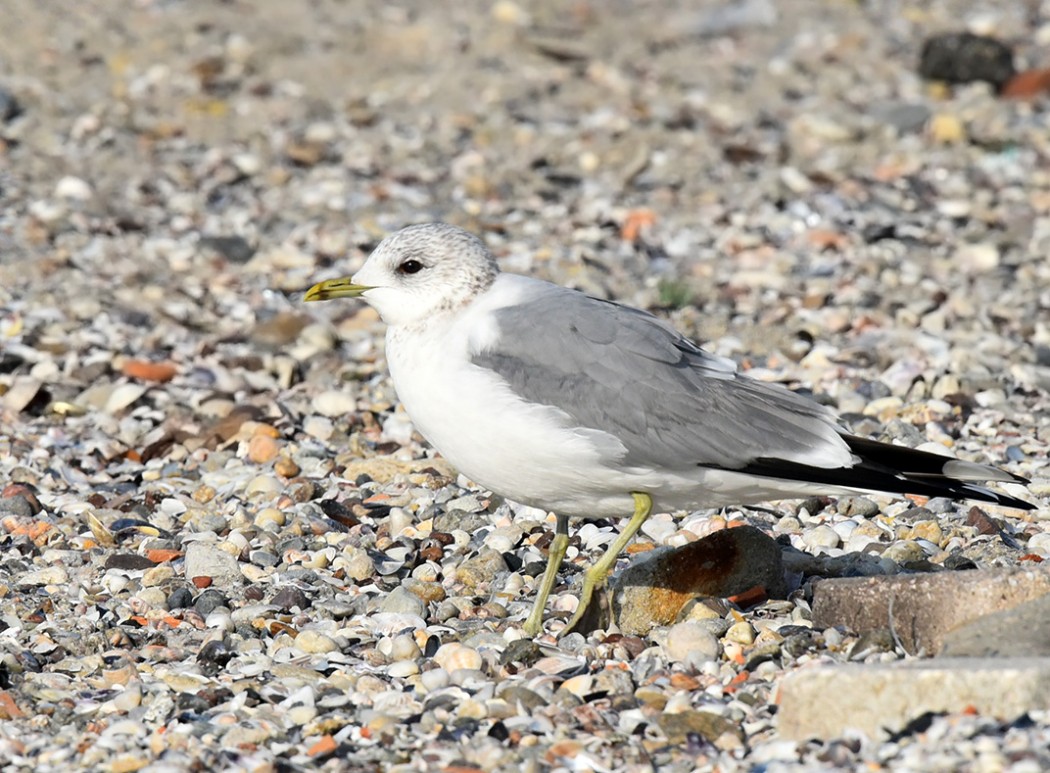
x=826, y=701
x=922, y=608
x=1023, y=631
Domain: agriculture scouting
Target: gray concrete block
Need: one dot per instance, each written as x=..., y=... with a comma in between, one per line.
x=1023, y=631
x=827, y=701
x=922, y=608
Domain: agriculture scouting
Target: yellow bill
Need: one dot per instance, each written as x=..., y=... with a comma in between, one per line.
x=334, y=288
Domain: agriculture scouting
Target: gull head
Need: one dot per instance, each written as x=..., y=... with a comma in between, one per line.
x=417, y=273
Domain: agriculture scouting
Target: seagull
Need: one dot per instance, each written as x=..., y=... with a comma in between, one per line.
x=592, y=409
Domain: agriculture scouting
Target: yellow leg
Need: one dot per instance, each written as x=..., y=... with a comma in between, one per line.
x=595, y=576
x=555, y=555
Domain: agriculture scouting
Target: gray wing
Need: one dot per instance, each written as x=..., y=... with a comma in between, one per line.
x=622, y=371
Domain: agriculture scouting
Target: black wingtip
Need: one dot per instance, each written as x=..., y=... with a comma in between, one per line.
x=898, y=470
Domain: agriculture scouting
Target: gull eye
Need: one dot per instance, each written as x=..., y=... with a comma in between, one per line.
x=410, y=267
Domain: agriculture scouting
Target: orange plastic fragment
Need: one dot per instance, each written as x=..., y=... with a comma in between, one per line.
x=750, y=598
x=8, y=708
x=160, y=555
x=144, y=370
x=324, y=745
x=635, y=221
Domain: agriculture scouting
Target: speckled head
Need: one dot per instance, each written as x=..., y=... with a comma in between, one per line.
x=417, y=273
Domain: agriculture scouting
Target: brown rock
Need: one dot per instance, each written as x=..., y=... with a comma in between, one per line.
x=286, y=467
x=922, y=608
x=726, y=563
x=708, y=725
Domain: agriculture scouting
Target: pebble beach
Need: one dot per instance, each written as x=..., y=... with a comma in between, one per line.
x=224, y=547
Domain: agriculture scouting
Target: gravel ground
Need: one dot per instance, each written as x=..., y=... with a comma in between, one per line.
x=223, y=544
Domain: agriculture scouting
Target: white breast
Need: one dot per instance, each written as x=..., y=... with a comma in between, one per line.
x=526, y=452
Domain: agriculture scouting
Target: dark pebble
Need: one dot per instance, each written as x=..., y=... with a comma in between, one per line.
x=958, y=562
x=208, y=601
x=288, y=598
x=306, y=576
x=871, y=642
x=293, y=543
x=432, y=646
x=10, y=108
x=9, y=362
x=962, y=57
x=180, y=598
x=214, y=656
x=254, y=593
x=514, y=563
x=338, y=512
x=303, y=490
x=524, y=651
x=128, y=562
x=234, y=248
x=263, y=558
x=16, y=505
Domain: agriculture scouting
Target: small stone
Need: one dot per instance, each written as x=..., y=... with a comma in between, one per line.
x=978, y=258
x=145, y=370
x=9, y=106
x=741, y=633
x=235, y=249
x=157, y=575
x=289, y=598
x=319, y=427
x=73, y=188
x=1040, y=544
x=180, y=598
x=402, y=601
x=334, y=404
x=862, y=506
x=482, y=569
x=404, y=647
x=204, y=559
x=262, y=449
x=947, y=129
x=927, y=530
x=691, y=643
x=455, y=656
x=16, y=504
x=435, y=679
x=402, y=669
x=678, y=726
x=821, y=537
x=269, y=518
x=904, y=552
x=286, y=467
x=359, y=565
x=315, y=642
x=263, y=486
x=208, y=601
